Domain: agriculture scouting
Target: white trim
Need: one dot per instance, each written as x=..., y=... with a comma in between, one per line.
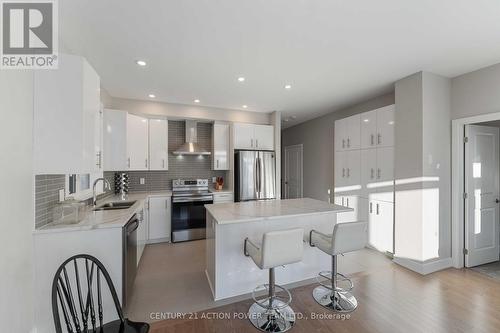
x=424, y=268
x=301, y=146
x=457, y=183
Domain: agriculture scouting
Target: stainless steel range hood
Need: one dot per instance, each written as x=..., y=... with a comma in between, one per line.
x=190, y=147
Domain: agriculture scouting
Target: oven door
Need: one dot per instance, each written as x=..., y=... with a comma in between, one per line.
x=189, y=218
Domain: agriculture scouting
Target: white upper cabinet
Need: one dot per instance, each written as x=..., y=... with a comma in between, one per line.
x=253, y=137
x=220, y=154
x=340, y=165
x=137, y=143
x=347, y=133
x=368, y=171
x=264, y=137
x=158, y=144
x=115, y=140
x=368, y=125
x=385, y=126
x=66, y=117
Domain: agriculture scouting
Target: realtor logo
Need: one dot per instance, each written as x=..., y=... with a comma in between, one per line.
x=29, y=35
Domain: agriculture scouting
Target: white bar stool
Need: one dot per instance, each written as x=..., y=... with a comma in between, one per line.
x=273, y=313
x=346, y=237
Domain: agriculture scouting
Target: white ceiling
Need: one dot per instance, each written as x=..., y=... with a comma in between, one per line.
x=333, y=52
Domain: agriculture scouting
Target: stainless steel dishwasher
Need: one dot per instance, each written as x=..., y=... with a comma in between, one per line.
x=129, y=257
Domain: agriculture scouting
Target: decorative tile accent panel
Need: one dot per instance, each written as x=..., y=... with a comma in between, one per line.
x=46, y=197
x=178, y=166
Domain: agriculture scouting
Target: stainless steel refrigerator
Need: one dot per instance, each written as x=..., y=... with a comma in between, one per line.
x=255, y=175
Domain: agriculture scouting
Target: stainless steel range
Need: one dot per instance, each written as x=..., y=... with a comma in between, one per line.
x=189, y=197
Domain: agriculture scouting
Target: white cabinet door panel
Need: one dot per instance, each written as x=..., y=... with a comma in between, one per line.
x=385, y=174
x=159, y=219
x=354, y=169
x=368, y=123
x=368, y=172
x=137, y=142
x=158, y=144
x=353, y=135
x=385, y=126
x=243, y=135
x=340, y=169
x=340, y=134
x=220, y=154
x=264, y=137
x=115, y=140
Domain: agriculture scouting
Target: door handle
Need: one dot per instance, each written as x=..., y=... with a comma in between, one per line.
x=163, y=163
x=146, y=163
x=251, y=143
x=347, y=200
x=217, y=163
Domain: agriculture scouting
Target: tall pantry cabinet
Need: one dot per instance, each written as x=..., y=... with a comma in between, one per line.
x=364, y=173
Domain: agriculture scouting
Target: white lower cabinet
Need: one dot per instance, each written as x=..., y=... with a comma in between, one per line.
x=357, y=203
x=223, y=197
x=159, y=219
x=380, y=225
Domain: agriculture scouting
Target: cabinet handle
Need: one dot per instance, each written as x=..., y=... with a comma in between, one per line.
x=347, y=200
x=128, y=162
x=379, y=138
x=348, y=143
x=217, y=163
x=343, y=172
x=372, y=139
x=251, y=143
x=343, y=143
x=371, y=207
x=146, y=163
x=163, y=163
x=379, y=172
x=342, y=201
x=166, y=204
x=257, y=143
x=378, y=210
x=372, y=173
x=348, y=172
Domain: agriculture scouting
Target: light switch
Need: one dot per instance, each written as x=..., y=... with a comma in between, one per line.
x=142, y=181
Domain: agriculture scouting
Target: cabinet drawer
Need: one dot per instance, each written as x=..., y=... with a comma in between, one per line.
x=223, y=198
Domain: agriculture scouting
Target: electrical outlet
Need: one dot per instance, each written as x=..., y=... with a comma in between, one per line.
x=214, y=179
x=142, y=181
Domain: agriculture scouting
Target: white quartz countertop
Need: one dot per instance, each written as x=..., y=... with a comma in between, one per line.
x=223, y=191
x=226, y=213
x=105, y=219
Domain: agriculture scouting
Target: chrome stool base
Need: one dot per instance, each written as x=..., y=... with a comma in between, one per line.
x=279, y=318
x=338, y=301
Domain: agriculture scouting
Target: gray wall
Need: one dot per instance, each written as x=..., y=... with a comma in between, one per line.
x=476, y=93
x=16, y=201
x=316, y=135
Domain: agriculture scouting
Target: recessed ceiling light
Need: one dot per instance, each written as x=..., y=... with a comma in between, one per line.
x=152, y=96
x=244, y=106
x=141, y=63
x=288, y=86
x=241, y=79
x=197, y=101
x=294, y=117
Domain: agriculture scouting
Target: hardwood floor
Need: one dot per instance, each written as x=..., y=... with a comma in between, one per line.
x=390, y=300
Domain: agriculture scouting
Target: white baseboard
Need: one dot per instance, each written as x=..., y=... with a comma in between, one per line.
x=424, y=267
x=158, y=240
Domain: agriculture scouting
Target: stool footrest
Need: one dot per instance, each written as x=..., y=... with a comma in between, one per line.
x=328, y=276
x=264, y=302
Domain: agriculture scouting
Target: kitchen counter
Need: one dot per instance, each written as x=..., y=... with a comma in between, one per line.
x=105, y=219
x=223, y=191
x=230, y=273
x=249, y=211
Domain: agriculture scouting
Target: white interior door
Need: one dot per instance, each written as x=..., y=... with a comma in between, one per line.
x=482, y=188
x=293, y=171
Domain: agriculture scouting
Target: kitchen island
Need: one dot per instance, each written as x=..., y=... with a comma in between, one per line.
x=230, y=273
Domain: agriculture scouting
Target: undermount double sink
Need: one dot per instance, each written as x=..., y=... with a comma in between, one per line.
x=115, y=205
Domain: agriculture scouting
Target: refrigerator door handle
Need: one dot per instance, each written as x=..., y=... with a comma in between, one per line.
x=259, y=175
